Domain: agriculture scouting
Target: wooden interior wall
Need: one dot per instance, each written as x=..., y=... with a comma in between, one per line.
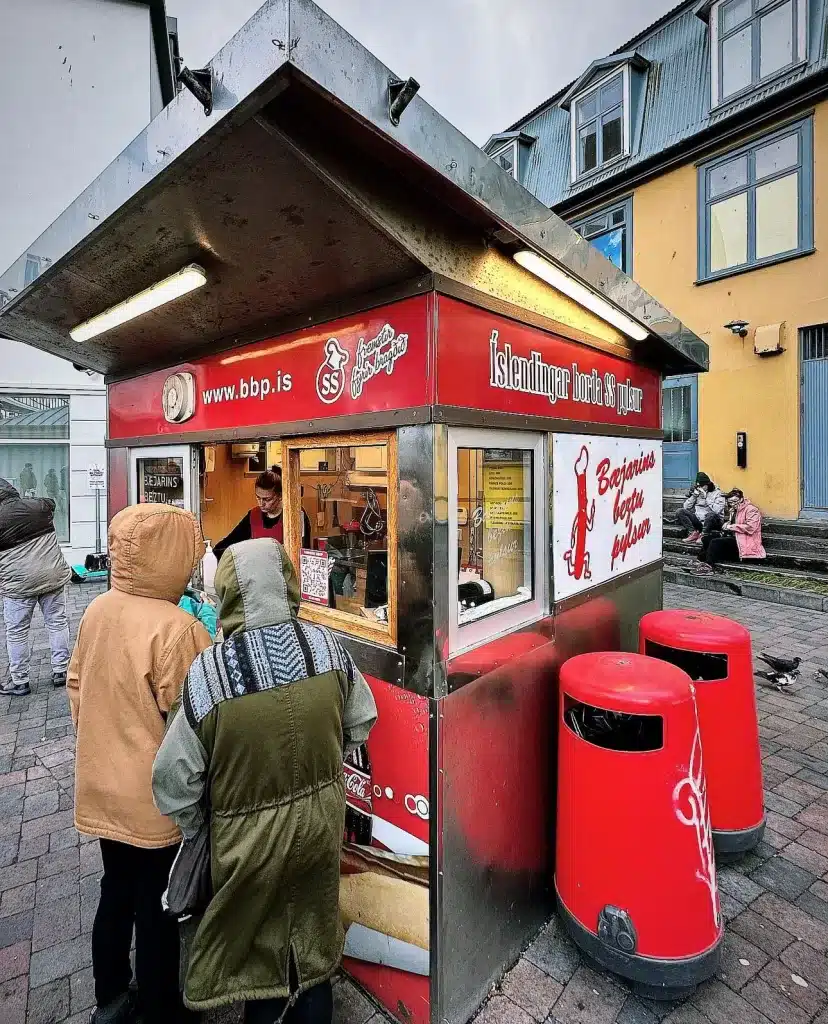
x=226, y=494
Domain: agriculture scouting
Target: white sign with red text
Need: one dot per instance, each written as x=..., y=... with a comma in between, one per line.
x=607, y=509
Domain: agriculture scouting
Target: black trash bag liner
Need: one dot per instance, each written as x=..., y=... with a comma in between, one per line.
x=190, y=887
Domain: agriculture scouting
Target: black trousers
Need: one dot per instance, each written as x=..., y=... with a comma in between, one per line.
x=133, y=882
x=691, y=522
x=313, y=1007
x=719, y=549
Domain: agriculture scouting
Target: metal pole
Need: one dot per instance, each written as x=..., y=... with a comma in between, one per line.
x=97, y=520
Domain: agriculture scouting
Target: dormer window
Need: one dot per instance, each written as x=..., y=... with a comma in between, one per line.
x=510, y=150
x=606, y=106
x=752, y=41
x=600, y=124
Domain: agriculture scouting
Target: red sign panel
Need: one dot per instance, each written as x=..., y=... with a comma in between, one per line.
x=485, y=361
x=372, y=362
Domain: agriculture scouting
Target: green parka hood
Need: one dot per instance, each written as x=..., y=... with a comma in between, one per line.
x=256, y=586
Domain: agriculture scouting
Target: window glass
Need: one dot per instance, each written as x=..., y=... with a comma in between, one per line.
x=777, y=156
x=587, y=108
x=587, y=148
x=495, y=530
x=161, y=480
x=595, y=226
x=34, y=417
x=40, y=471
x=506, y=159
x=612, y=135
x=611, y=93
x=777, y=224
x=343, y=561
x=734, y=13
x=728, y=232
x=676, y=416
x=736, y=62
x=611, y=245
x=618, y=216
x=727, y=177
x=776, y=40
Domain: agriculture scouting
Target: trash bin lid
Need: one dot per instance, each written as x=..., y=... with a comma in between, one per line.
x=630, y=683
x=694, y=631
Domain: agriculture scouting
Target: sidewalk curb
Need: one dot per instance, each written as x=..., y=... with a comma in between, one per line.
x=755, y=591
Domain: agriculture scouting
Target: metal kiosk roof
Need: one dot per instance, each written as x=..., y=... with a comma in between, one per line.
x=301, y=199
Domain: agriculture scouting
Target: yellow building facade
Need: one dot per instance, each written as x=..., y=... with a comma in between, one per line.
x=743, y=391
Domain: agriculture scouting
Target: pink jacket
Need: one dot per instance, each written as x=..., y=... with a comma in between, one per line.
x=748, y=530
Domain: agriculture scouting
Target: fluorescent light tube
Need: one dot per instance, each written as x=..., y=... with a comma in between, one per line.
x=553, y=275
x=173, y=287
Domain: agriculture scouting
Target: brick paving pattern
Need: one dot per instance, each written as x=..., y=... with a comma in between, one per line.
x=775, y=901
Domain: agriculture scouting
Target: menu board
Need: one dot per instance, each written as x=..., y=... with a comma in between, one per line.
x=161, y=481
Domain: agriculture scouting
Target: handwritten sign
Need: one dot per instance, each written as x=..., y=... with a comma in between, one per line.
x=504, y=493
x=607, y=509
x=313, y=576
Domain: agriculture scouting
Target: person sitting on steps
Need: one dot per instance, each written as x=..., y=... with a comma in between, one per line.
x=703, y=511
x=740, y=539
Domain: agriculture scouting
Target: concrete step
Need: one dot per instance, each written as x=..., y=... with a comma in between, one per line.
x=803, y=546
x=803, y=562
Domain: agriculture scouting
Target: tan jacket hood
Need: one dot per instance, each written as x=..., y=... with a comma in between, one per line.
x=153, y=550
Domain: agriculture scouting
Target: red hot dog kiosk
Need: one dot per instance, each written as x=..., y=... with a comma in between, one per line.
x=464, y=400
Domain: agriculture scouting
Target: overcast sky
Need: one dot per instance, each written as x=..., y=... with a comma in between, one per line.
x=481, y=63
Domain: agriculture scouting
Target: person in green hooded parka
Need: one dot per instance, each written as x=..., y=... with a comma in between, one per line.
x=259, y=735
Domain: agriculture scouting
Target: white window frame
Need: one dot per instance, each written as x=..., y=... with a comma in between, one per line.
x=626, y=128
x=465, y=636
x=188, y=453
x=801, y=55
x=513, y=145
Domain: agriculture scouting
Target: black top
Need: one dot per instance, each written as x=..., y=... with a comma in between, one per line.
x=242, y=531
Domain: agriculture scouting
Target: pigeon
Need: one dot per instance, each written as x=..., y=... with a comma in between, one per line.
x=779, y=680
x=782, y=665
x=823, y=672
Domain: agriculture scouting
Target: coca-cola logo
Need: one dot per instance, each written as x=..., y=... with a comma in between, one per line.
x=357, y=789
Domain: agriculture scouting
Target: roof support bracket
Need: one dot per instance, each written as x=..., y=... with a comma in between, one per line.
x=400, y=94
x=200, y=84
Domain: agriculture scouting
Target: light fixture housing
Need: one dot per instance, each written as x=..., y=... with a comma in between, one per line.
x=553, y=275
x=173, y=287
x=738, y=328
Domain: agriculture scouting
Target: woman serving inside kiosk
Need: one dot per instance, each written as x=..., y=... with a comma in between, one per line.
x=265, y=519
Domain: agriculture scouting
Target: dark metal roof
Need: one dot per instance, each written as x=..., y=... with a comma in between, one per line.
x=676, y=103
x=598, y=67
x=297, y=193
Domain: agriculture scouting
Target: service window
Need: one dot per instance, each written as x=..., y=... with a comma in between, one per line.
x=346, y=486
x=497, y=516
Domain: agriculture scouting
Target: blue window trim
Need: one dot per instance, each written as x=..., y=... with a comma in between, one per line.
x=805, y=225
x=605, y=211
x=753, y=22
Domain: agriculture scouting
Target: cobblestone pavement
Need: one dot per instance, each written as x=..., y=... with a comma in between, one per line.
x=775, y=901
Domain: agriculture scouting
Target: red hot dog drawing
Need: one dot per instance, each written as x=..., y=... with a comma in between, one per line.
x=577, y=558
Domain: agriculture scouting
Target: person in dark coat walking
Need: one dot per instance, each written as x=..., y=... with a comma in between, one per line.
x=33, y=572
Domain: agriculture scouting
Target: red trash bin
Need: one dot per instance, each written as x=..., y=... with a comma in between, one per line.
x=716, y=654
x=635, y=876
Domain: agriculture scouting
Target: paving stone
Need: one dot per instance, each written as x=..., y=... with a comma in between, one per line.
x=793, y=920
x=16, y=928
x=18, y=874
x=14, y=961
x=82, y=987
x=634, y=1011
x=813, y=905
x=730, y=907
x=49, y=1004
x=783, y=877
x=776, y=1005
x=784, y=826
x=815, y=817
x=55, y=863
x=56, y=886
x=737, y=885
x=33, y=848
x=15, y=901
x=56, y=922
x=60, y=961
x=741, y=961
x=501, y=1010
x=808, y=997
x=40, y=805
x=532, y=989
x=762, y=932
x=51, y=823
x=13, y=996
x=589, y=998
x=350, y=1004
x=63, y=840
x=90, y=859
x=8, y=852
x=554, y=953
x=781, y=805
x=723, y=1006
x=810, y=860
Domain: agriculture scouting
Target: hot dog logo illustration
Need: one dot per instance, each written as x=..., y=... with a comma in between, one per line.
x=577, y=558
x=330, y=377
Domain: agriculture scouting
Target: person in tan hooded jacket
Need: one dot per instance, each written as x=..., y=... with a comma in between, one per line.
x=133, y=651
